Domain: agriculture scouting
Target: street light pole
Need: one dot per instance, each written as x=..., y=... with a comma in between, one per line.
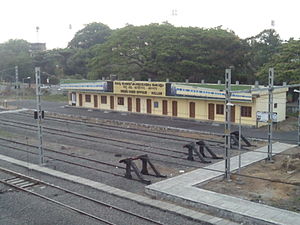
x=240, y=135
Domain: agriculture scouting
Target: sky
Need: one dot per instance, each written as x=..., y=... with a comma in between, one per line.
x=19, y=18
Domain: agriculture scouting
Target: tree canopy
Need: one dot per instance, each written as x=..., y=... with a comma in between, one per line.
x=91, y=34
x=158, y=51
x=15, y=53
x=286, y=64
x=164, y=51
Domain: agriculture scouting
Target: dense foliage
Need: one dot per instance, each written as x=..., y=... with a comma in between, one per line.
x=157, y=51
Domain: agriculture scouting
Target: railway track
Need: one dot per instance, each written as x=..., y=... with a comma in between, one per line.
x=125, y=144
x=136, y=131
x=75, y=157
x=26, y=184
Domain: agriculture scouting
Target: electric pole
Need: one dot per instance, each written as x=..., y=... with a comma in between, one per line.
x=39, y=114
x=270, y=113
x=17, y=81
x=227, y=122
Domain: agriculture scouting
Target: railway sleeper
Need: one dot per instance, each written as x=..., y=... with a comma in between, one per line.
x=131, y=166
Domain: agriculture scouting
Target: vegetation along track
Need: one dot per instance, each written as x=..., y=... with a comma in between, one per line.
x=76, y=194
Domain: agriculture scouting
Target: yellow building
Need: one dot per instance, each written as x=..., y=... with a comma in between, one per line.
x=183, y=100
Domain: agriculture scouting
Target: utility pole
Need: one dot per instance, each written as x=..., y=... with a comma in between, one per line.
x=227, y=122
x=298, y=91
x=17, y=81
x=299, y=119
x=270, y=113
x=240, y=138
x=39, y=114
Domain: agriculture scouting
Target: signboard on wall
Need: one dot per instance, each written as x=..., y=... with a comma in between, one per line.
x=101, y=86
x=208, y=93
x=263, y=117
x=144, y=88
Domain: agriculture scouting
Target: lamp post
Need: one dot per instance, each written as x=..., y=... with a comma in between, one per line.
x=27, y=78
x=297, y=91
x=240, y=134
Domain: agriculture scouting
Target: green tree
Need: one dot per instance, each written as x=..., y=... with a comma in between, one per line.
x=164, y=51
x=15, y=53
x=286, y=64
x=91, y=34
x=262, y=47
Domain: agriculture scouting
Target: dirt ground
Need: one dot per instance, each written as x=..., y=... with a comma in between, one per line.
x=276, y=184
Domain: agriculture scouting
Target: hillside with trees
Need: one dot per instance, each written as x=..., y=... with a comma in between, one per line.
x=157, y=51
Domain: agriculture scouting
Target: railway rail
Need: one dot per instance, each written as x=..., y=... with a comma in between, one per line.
x=129, y=145
x=19, y=181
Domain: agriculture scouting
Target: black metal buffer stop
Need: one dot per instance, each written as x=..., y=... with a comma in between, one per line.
x=202, y=146
x=235, y=138
x=200, y=153
x=130, y=165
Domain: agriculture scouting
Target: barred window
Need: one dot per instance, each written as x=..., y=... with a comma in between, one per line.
x=246, y=111
x=103, y=99
x=120, y=101
x=87, y=98
x=220, y=109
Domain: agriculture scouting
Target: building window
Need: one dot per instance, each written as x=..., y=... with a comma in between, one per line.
x=275, y=105
x=120, y=101
x=103, y=99
x=246, y=111
x=155, y=104
x=87, y=98
x=220, y=109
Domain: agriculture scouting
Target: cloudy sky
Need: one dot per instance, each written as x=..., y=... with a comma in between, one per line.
x=19, y=18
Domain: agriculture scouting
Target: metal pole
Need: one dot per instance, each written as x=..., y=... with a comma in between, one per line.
x=17, y=81
x=270, y=113
x=227, y=122
x=39, y=114
x=240, y=144
x=298, y=91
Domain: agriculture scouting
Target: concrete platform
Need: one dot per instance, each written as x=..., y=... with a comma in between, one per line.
x=189, y=213
x=182, y=189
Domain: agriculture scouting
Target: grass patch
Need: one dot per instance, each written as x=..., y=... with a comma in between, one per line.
x=72, y=81
x=4, y=133
x=48, y=98
x=55, y=98
x=220, y=86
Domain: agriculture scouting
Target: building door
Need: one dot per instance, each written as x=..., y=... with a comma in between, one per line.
x=138, y=105
x=73, y=98
x=80, y=99
x=149, y=104
x=129, y=102
x=174, y=108
x=232, y=113
x=211, y=111
x=192, y=109
x=112, y=102
x=165, y=107
x=95, y=101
